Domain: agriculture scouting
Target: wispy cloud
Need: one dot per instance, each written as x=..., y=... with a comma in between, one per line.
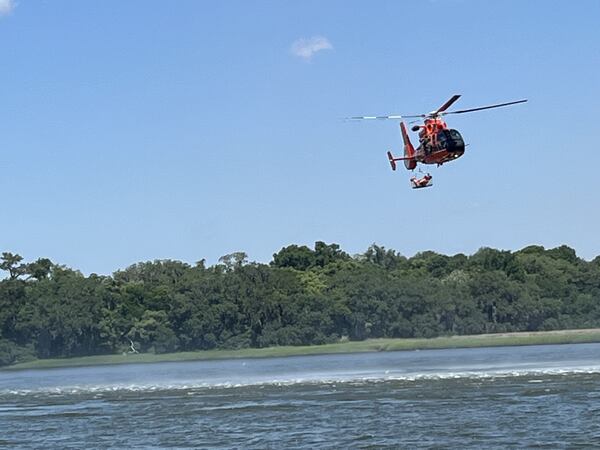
x=305, y=48
x=6, y=6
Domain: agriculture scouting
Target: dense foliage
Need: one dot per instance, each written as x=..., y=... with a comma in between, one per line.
x=304, y=296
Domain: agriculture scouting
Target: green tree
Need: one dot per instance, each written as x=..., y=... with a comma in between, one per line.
x=328, y=253
x=10, y=262
x=294, y=256
x=39, y=269
x=234, y=260
x=152, y=333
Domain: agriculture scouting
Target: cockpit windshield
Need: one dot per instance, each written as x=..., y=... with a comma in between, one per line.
x=450, y=140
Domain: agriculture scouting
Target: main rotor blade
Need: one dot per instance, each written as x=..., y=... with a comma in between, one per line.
x=393, y=117
x=373, y=117
x=446, y=105
x=483, y=107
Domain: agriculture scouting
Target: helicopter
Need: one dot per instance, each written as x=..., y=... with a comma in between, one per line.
x=438, y=144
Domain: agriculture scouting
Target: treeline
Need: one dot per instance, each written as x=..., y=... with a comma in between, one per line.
x=303, y=296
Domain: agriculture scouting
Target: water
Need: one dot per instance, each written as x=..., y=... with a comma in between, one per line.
x=510, y=397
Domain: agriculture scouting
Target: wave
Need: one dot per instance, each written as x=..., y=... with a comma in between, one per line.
x=192, y=387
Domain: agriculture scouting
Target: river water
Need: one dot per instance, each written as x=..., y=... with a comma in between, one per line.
x=508, y=397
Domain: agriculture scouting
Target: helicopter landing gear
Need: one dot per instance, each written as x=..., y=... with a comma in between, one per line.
x=421, y=182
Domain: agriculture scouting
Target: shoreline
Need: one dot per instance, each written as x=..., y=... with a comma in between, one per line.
x=574, y=336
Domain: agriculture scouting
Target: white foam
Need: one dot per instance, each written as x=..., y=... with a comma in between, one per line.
x=308, y=379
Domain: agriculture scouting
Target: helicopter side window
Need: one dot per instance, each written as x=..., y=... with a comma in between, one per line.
x=441, y=140
x=454, y=134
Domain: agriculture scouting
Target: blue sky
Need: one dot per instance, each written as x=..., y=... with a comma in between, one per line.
x=143, y=130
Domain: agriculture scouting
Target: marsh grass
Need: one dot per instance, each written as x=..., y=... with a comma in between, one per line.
x=370, y=345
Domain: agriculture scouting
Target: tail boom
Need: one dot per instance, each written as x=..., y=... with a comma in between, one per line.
x=406, y=159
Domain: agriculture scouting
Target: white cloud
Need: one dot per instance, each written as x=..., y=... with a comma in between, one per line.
x=6, y=6
x=306, y=48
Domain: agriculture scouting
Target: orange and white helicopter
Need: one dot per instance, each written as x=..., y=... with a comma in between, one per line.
x=438, y=144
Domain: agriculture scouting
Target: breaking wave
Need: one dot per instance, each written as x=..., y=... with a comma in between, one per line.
x=193, y=386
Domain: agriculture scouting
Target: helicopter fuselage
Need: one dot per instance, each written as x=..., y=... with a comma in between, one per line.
x=438, y=144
